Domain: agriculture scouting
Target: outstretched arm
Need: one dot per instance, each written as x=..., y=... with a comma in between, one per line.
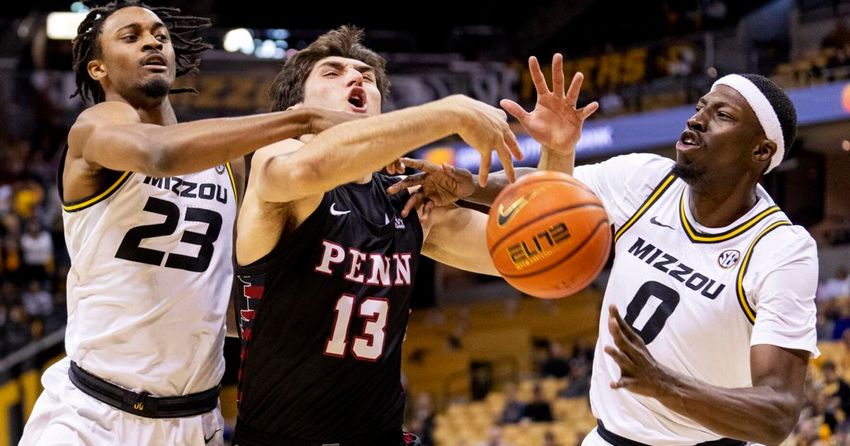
x=555, y=122
x=351, y=151
x=770, y=407
x=112, y=135
x=457, y=237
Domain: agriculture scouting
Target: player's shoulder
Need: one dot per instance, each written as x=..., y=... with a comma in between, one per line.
x=639, y=170
x=646, y=165
x=97, y=118
x=644, y=161
x=108, y=112
x=634, y=164
x=785, y=244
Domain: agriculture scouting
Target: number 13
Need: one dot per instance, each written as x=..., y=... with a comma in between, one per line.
x=368, y=347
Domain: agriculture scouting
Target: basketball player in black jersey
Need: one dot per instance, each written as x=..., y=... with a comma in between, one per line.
x=325, y=261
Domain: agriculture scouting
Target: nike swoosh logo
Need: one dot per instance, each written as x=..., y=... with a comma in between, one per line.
x=506, y=214
x=336, y=212
x=207, y=440
x=658, y=223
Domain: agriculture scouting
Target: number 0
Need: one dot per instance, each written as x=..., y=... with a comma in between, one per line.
x=669, y=300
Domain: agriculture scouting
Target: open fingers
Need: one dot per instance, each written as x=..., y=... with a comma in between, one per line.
x=575, y=88
x=484, y=169
x=627, y=330
x=617, y=330
x=514, y=109
x=558, y=75
x=504, y=153
x=512, y=144
x=537, y=76
x=588, y=110
x=457, y=174
x=624, y=382
x=617, y=333
x=413, y=180
x=622, y=360
x=425, y=166
x=415, y=199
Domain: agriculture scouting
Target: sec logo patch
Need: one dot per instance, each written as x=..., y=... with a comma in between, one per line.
x=728, y=258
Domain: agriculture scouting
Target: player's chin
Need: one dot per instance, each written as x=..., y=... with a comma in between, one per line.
x=688, y=172
x=156, y=86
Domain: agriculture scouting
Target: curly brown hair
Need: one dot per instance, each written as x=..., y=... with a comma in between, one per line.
x=345, y=41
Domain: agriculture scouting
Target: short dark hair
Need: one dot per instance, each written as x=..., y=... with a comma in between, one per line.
x=781, y=104
x=86, y=45
x=287, y=89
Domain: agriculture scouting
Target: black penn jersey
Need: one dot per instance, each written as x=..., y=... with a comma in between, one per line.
x=323, y=316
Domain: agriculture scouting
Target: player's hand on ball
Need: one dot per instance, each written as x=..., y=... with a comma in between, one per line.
x=639, y=372
x=439, y=184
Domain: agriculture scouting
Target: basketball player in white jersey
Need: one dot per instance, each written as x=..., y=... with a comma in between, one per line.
x=149, y=206
x=708, y=319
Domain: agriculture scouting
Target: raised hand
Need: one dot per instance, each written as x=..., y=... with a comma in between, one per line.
x=485, y=128
x=555, y=121
x=439, y=185
x=639, y=372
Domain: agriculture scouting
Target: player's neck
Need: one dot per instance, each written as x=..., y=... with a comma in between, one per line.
x=151, y=110
x=162, y=114
x=720, y=207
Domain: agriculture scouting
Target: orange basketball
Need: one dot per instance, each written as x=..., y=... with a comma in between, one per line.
x=548, y=235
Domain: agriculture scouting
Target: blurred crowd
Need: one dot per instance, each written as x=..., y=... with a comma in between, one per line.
x=559, y=374
x=33, y=259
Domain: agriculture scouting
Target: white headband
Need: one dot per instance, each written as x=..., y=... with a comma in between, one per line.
x=764, y=112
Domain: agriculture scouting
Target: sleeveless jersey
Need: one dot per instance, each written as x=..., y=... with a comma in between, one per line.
x=699, y=297
x=323, y=317
x=150, y=278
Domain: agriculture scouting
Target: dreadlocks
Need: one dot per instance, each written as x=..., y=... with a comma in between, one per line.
x=86, y=46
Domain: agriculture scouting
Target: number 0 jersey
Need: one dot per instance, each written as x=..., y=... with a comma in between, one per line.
x=699, y=297
x=148, y=288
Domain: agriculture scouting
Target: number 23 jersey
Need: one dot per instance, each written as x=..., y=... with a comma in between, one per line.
x=150, y=280
x=699, y=297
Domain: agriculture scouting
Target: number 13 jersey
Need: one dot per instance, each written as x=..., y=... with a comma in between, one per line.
x=148, y=288
x=323, y=316
x=699, y=297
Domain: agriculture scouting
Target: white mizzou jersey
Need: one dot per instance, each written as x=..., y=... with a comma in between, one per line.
x=150, y=278
x=699, y=297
